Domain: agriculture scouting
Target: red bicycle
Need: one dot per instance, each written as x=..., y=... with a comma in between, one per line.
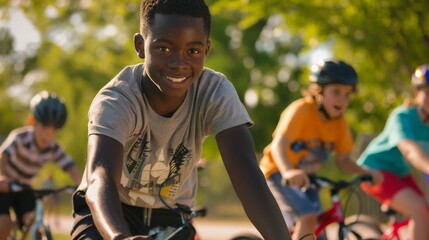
x=393, y=231
x=356, y=227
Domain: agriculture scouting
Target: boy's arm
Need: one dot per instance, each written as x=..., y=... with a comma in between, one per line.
x=238, y=154
x=104, y=170
x=75, y=174
x=4, y=183
x=294, y=176
x=3, y=159
x=346, y=164
x=414, y=154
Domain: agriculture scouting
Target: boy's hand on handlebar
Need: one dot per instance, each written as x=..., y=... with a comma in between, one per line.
x=376, y=176
x=295, y=177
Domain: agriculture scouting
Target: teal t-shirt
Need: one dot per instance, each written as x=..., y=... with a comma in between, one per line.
x=383, y=154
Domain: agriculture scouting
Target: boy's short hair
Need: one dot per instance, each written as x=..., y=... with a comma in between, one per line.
x=194, y=8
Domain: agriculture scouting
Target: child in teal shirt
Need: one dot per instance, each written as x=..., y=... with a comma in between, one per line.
x=403, y=144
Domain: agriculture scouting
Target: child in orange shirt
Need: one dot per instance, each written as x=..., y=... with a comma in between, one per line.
x=308, y=131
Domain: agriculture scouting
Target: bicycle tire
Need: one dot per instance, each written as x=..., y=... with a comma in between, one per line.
x=43, y=233
x=361, y=230
x=246, y=237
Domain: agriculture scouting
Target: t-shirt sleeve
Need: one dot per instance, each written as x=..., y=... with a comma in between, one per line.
x=400, y=128
x=112, y=114
x=8, y=146
x=63, y=160
x=291, y=121
x=225, y=110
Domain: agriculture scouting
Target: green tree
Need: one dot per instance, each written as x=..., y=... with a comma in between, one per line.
x=384, y=40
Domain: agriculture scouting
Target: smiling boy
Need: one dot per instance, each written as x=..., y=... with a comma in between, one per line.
x=146, y=129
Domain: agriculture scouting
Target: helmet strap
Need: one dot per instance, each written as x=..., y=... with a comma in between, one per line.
x=324, y=112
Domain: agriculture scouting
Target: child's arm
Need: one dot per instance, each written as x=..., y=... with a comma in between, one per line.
x=346, y=164
x=4, y=183
x=75, y=174
x=103, y=176
x=238, y=154
x=293, y=176
x=414, y=154
x=3, y=159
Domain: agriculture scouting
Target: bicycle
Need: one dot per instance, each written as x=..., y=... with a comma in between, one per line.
x=165, y=233
x=395, y=225
x=351, y=228
x=38, y=229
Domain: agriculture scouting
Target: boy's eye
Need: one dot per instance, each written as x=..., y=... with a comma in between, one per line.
x=194, y=51
x=163, y=49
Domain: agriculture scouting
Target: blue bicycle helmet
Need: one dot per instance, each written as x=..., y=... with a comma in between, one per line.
x=334, y=71
x=48, y=109
x=420, y=77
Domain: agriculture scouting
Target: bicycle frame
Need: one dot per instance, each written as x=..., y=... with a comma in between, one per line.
x=37, y=225
x=333, y=215
x=393, y=231
x=38, y=222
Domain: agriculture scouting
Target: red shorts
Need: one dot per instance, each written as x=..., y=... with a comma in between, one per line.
x=390, y=186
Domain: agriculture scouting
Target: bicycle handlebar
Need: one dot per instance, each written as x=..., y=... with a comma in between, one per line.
x=320, y=182
x=191, y=213
x=39, y=193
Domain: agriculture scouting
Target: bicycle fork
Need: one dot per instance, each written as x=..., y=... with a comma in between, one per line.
x=39, y=218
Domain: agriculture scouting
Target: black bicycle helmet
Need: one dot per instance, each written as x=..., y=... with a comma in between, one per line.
x=48, y=109
x=420, y=77
x=333, y=71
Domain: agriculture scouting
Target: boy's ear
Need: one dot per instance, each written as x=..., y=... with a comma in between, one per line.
x=139, y=45
x=209, y=44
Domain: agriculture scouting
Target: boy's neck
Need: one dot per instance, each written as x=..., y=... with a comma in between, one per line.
x=424, y=116
x=163, y=105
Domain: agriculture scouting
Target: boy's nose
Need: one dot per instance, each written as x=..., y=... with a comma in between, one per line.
x=178, y=61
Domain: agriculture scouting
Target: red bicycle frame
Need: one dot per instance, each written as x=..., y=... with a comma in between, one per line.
x=393, y=231
x=332, y=215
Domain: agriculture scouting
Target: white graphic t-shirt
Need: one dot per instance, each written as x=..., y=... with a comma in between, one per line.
x=161, y=153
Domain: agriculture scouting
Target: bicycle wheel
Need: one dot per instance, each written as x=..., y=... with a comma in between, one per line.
x=43, y=233
x=246, y=237
x=364, y=226
x=361, y=230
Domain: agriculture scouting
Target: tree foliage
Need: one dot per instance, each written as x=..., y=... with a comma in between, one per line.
x=384, y=40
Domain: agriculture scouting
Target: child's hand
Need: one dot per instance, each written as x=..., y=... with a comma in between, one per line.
x=377, y=176
x=295, y=177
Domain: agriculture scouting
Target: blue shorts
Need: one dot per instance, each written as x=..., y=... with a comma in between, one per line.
x=292, y=201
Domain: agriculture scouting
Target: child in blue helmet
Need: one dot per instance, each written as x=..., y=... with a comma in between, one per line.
x=25, y=151
x=403, y=144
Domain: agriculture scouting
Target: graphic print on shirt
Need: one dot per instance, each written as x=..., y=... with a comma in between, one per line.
x=318, y=151
x=146, y=177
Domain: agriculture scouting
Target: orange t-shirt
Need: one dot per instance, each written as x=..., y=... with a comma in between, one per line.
x=308, y=136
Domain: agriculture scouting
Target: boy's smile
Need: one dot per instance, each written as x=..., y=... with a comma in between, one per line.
x=175, y=50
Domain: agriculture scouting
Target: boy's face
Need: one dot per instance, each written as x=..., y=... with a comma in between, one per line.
x=336, y=98
x=44, y=135
x=175, y=50
x=422, y=98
